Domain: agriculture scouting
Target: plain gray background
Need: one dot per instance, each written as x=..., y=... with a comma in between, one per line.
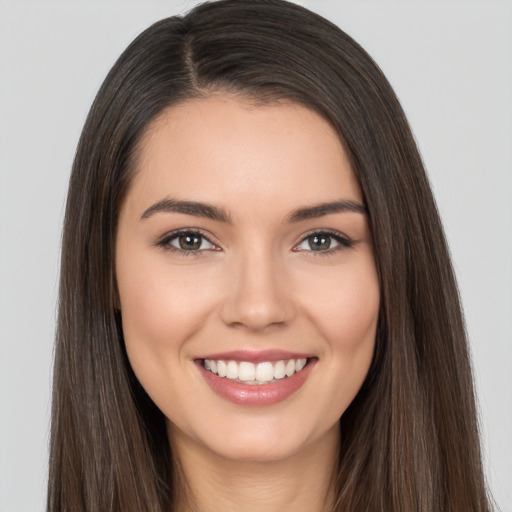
x=451, y=65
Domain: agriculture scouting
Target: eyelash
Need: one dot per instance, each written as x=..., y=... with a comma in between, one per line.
x=343, y=241
x=165, y=242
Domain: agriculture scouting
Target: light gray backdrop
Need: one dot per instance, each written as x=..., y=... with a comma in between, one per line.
x=451, y=65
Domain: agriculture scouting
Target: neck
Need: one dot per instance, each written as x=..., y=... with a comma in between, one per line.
x=301, y=482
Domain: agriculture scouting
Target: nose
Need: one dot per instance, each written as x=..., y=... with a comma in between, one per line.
x=258, y=297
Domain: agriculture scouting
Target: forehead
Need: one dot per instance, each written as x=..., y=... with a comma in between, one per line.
x=229, y=152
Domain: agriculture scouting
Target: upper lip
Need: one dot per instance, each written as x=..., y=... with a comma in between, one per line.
x=256, y=356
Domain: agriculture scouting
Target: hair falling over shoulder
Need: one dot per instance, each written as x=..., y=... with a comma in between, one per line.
x=410, y=438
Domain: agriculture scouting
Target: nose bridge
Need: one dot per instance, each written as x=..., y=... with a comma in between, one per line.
x=257, y=296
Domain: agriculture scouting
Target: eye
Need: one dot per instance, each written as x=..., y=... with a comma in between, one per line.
x=186, y=241
x=323, y=241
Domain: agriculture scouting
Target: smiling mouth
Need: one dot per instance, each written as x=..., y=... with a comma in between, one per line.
x=246, y=372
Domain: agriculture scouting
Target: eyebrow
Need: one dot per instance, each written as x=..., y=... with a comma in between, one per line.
x=198, y=209
x=189, y=208
x=320, y=210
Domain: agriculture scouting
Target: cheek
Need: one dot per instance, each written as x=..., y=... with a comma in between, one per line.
x=349, y=320
x=351, y=313
x=161, y=310
x=152, y=301
x=162, y=307
x=353, y=330
x=344, y=303
x=345, y=310
x=144, y=308
x=155, y=293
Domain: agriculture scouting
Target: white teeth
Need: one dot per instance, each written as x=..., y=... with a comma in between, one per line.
x=250, y=373
x=290, y=368
x=232, y=370
x=264, y=372
x=279, y=371
x=246, y=371
x=221, y=368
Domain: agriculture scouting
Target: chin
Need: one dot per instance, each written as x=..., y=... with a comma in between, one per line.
x=256, y=449
x=266, y=440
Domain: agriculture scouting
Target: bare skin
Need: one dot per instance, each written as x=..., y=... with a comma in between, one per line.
x=301, y=483
x=244, y=232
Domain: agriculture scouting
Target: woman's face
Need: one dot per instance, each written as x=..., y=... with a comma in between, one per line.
x=243, y=252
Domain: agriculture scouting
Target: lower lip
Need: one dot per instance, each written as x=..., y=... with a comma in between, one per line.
x=256, y=394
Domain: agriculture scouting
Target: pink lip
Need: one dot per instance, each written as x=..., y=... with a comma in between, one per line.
x=257, y=394
x=256, y=356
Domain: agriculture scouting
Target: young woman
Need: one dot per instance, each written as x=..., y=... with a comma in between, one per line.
x=257, y=309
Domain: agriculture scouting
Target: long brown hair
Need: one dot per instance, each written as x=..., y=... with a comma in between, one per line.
x=410, y=438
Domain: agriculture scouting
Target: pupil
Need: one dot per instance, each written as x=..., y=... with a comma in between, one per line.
x=190, y=242
x=320, y=242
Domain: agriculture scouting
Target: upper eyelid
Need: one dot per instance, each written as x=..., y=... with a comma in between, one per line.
x=332, y=232
x=175, y=232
